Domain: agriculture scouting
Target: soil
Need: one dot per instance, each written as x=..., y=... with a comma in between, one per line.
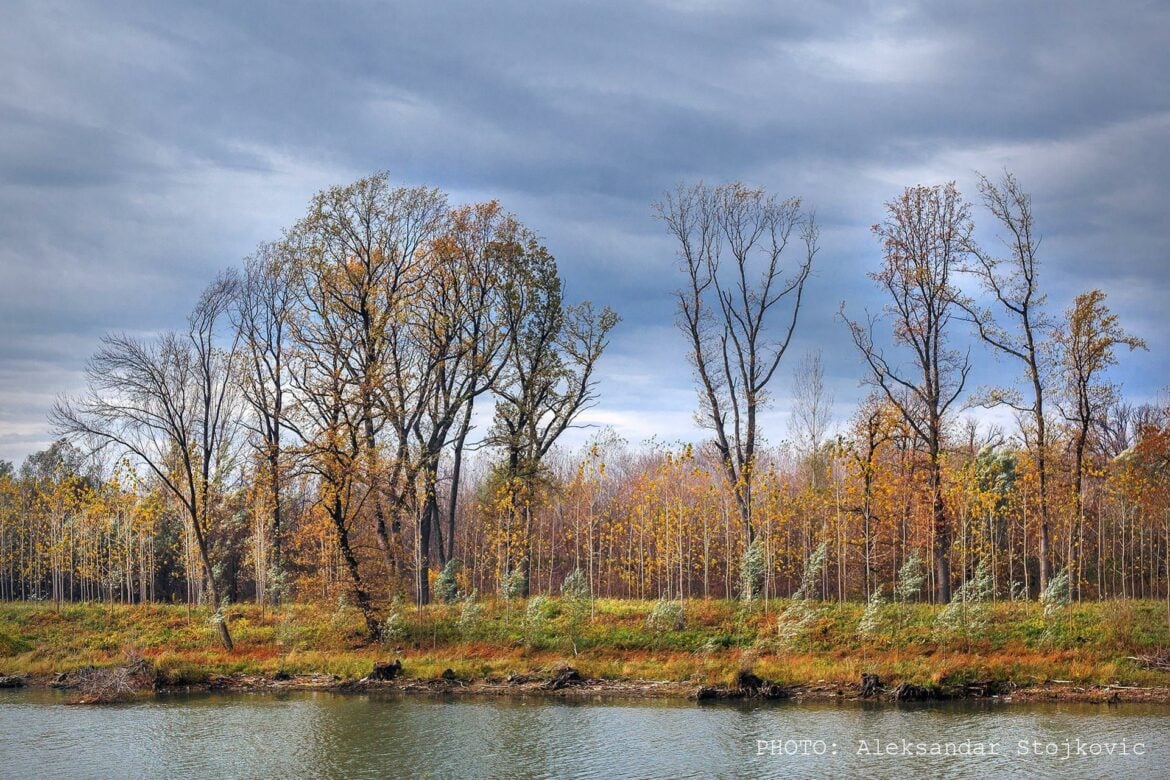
x=567, y=683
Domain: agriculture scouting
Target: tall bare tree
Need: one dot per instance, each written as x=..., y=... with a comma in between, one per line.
x=739, y=308
x=261, y=314
x=925, y=237
x=170, y=403
x=1018, y=326
x=812, y=407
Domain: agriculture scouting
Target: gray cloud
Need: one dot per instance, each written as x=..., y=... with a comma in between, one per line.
x=143, y=147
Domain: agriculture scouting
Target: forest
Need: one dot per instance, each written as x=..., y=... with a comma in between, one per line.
x=371, y=411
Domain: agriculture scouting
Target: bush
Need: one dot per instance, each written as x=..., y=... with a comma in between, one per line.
x=577, y=599
x=873, y=621
x=910, y=579
x=751, y=571
x=1055, y=597
x=394, y=626
x=447, y=585
x=802, y=611
x=285, y=632
x=575, y=588
x=344, y=619
x=539, y=611
x=667, y=615
x=276, y=588
x=471, y=615
x=513, y=584
x=968, y=610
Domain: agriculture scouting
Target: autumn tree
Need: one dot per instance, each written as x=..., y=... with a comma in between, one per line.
x=738, y=308
x=362, y=254
x=1087, y=339
x=548, y=380
x=461, y=323
x=872, y=428
x=1149, y=462
x=924, y=238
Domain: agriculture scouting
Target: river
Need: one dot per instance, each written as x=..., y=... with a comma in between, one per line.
x=325, y=735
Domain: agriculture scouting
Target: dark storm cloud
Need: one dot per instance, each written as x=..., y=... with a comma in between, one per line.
x=143, y=147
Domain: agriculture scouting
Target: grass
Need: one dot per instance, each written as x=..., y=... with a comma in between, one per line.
x=1086, y=644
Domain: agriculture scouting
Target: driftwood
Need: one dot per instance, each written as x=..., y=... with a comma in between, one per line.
x=385, y=671
x=108, y=685
x=751, y=685
x=911, y=692
x=1161, y=661
x=981, y=688
x=563, y=678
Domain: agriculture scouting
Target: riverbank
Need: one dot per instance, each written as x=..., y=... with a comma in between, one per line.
x=1089, y=652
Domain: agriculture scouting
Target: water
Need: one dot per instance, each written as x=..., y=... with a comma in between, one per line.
x=325, y=735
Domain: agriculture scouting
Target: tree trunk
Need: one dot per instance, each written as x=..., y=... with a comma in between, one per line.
x=373, y=627
x=942, y=535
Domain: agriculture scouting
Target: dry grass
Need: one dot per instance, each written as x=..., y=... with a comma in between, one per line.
x=1090, y=643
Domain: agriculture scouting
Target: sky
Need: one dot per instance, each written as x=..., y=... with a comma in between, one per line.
x=146, y=146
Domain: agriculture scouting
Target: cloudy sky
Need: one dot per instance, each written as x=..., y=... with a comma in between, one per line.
x=144, y=146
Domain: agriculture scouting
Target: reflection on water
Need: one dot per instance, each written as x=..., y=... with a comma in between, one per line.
x=338, y=735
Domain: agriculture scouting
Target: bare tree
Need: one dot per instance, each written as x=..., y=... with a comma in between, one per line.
x=261, y=313
x=925, y=237
x=812, y=408
x=1019, y=326
x=169, y=403
x=739, y=308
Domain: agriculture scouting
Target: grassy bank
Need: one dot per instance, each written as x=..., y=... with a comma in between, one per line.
x=1088, y=644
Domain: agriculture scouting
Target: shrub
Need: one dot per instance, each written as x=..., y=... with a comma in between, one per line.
x=471, y=615
x=666, y=615
x=802, y=611
x=513, y=584
x=540, y=609
x=285, y=632
x=751, y=571
x=575, y=588
x=968, y=610
x=873, y=621
x=447, y=585
x=577, y=600
x=394, y=626
x=1055, y=597
x=343, y=618
x=910, y=579
x=276, y=588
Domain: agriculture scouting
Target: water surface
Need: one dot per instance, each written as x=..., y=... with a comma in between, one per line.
x=324, y=735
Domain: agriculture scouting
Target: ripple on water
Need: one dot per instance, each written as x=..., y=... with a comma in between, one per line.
x=334, y=736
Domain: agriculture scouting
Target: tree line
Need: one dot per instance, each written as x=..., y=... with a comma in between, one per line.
x=369, y=408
